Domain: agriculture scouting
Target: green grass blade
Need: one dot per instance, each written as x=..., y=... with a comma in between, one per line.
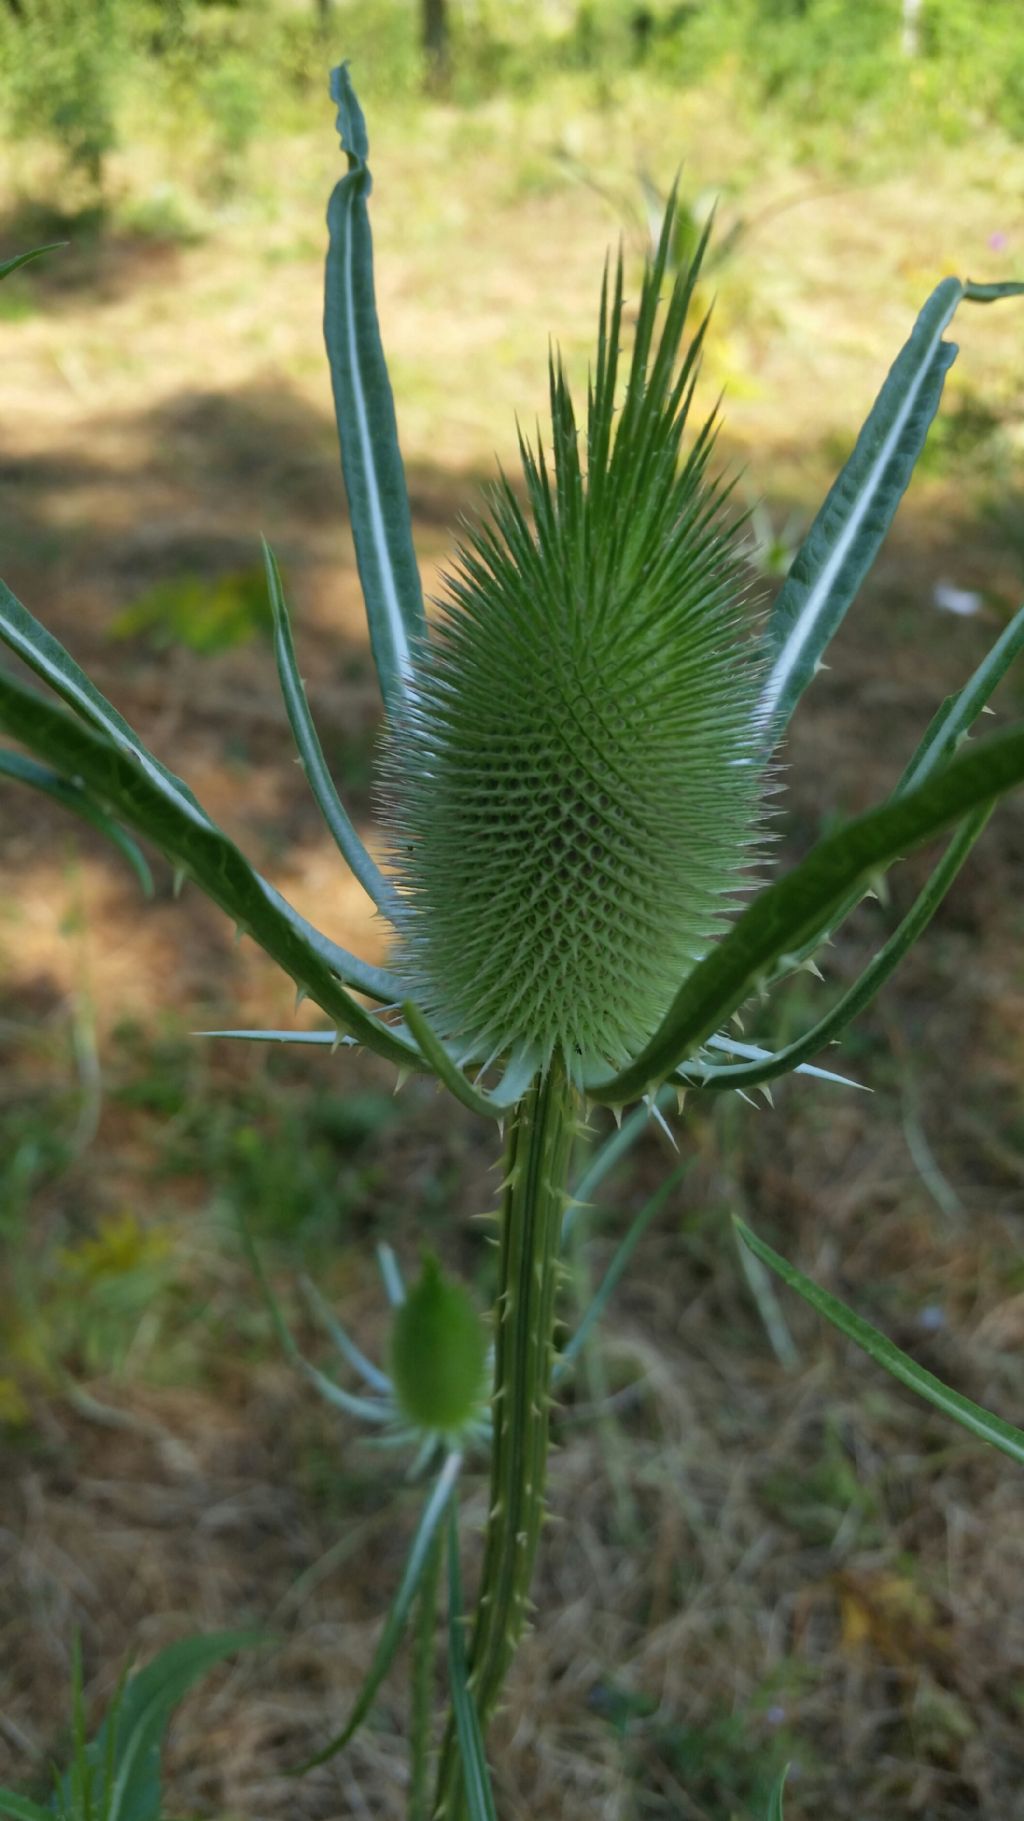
x=851, y=525
x=71, y=796
x=139, y=797
x=775, y=1812
x=477, y=1796
x=7, y=266
x=616, y=1271
x=790, y=911
x=444, y=1068
x=314, y=764
x=370, y=456
x=853, y=1001
x=982, y=1423
x=394, y=1626
x=143, y=1711
x=19, y=1808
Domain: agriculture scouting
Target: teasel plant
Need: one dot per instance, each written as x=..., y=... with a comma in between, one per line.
x=580, y=752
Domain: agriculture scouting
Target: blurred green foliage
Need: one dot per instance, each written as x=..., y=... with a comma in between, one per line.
x=86, y=75
x=206, y=616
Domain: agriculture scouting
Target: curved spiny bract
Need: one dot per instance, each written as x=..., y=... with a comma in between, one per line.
x=573, y=787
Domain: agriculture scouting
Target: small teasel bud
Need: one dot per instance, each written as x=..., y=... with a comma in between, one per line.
x=438, y=1354
x=574, y=789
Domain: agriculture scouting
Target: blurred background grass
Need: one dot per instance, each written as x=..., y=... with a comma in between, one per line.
x=772, y=1554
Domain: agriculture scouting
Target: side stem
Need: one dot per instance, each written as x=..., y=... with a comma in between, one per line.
x=535, y=1191
x=423, y=1648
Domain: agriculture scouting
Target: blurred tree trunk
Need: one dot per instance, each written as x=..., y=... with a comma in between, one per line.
x=323, y=13
x=436, y=43
x=911, y=34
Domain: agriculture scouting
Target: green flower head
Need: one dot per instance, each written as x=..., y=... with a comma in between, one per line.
x=574, y=788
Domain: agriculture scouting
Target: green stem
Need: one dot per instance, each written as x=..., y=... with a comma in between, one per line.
x=422, y=1687
x=535, y=1192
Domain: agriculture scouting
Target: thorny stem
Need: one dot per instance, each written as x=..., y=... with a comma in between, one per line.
x=535, y=1190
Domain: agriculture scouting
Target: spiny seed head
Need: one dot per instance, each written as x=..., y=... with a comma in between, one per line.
x=573, y=790
x=438, y=1354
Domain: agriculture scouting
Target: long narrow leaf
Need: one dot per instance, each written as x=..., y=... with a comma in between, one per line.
x=948, y=727
x=7, y=266
x=183, y=832
x=845, y=537
x=30, y=640
x=71, y=796
x=959, y=712
x=318, y=776
x=786, y=913
x=982, y=1423
x=394, y=1626
x=370, y=456
x=794, y=1055
x=476, y=1779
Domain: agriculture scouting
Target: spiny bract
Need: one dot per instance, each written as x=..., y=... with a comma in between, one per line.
x=573, y=789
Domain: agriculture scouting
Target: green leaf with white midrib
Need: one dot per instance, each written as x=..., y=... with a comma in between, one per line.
x=982, y=1423
x=788, y=912
x=371, y=459
x=194, y=843
x=394, y=1626
x=851, y=525
x=318, y=776
x=71, y=796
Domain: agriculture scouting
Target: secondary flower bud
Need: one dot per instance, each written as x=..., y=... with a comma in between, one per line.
x=438, y=1354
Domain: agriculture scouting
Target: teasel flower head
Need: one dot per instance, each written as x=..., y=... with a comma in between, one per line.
x=573, y=792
